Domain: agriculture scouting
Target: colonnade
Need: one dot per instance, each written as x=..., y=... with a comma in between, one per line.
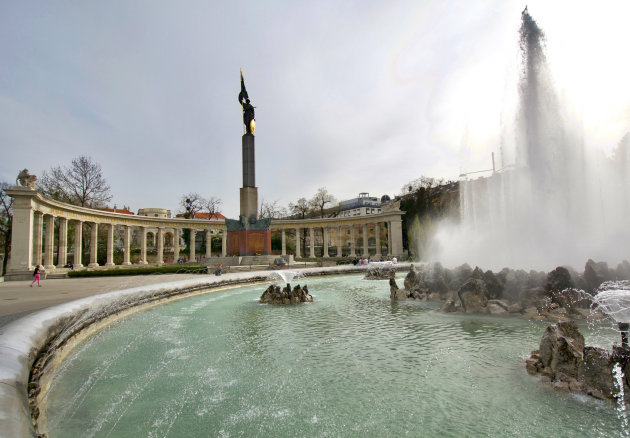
x=345, y=234
x=36, y=218
x=43, y=242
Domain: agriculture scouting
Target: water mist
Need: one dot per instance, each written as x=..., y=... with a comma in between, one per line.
x=557, y=202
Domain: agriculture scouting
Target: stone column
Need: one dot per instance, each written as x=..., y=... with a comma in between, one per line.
x=284, y=242
x=78, y=244
x=193, y=256
x=389, y=239
x=49, y=243
x=175, y=244
x=143, y=245
x=38, y=232
x=22, y=234
x=352, y=242
x=325, y=236
x=366, y=251
x=160, y=246
x=377, y=235
x=339, y=242
x=208, y=244
x=94, y=246
x=397, y=244
x=63, y=243
x=127, y=245
x=297, y=244
x=311, y=240
x=110, y=246
x=224, y=243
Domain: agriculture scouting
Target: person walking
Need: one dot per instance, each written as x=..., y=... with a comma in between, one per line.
x=36, y=276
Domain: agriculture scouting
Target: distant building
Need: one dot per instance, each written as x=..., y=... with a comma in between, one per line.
x=362, y=206
x=155, y=212
x=208, y=216
x=124, y=210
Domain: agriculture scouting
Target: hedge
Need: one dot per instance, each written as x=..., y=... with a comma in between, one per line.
x=171, y=269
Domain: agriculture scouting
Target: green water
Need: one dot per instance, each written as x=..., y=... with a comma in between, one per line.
x=352, y=364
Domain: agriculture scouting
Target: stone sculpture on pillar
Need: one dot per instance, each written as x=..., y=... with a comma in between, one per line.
x=25, y=179
x=248, y=235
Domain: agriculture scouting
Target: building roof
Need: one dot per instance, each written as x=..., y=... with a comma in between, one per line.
x=200, y=215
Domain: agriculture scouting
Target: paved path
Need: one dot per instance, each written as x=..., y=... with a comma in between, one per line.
x=17, y=299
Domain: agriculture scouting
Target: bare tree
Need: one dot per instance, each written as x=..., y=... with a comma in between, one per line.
x=82, y=183
x=321, y=198
x=271, y=210
x=424, y=182
x=6, y=222
x=301, y=208
x=191, y=204
x=211, y=205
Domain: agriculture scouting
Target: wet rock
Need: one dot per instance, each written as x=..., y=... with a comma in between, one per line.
x=558, y=280
x=515, y=308
x=561, y=348
x=595, y=274
x=595, y=371
x=473, y=297
x=394, y=292
x=493, y=284
x=623, y=270
x=275, y=295
x=449, y=306
x=379, y=272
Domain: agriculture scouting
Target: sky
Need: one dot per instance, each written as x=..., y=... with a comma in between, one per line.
x=353, y=96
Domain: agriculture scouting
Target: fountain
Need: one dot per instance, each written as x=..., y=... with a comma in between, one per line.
x=275, y=295
x=308, y=370
x=548, y=178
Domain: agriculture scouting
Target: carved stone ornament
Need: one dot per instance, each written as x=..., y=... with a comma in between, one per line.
x=25, y=179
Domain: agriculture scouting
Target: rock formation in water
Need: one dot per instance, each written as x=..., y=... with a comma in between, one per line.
x=568, y=365
x=376, y=272
x=275, y=295
x=554, y=296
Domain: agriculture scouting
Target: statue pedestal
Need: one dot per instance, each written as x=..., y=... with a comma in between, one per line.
x=248, y=237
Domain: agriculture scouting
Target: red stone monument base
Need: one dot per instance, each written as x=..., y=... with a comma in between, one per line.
x=249, y=242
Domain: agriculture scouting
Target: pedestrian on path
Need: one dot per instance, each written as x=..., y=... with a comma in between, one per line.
x=36, y=277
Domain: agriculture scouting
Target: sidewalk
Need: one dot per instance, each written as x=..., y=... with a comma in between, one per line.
x=17, y=299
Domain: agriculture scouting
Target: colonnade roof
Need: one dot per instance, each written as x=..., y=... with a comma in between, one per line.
x=25, y=198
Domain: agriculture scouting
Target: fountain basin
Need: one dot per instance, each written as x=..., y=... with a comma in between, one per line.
x=23, y=340
x=355, y=364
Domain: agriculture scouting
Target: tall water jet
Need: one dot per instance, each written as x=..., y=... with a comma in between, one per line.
x=552, y=202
